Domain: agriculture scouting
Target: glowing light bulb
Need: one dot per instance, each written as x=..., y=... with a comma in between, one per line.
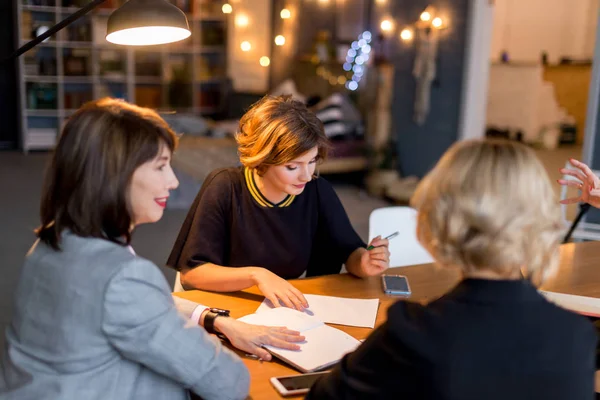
x=265, y=61
x=241, y=20
x=246, y=46
x=285, y=14
x=279, y=40
x=406, y=34
x=437, y=22
x=425, y=16
x=341, y=79
x=227, y=9
x=386, y=25
x=324, y=2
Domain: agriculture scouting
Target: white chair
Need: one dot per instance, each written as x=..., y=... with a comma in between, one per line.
x=405, y=249
x=177, y=287
x=584, y=230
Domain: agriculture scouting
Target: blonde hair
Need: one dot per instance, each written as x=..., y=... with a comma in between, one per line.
x=277, y=130
x=489, y=204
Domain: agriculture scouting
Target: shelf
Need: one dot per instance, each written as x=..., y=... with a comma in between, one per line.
x=112, y=79
x=41, y=113
x=42, y=79
x=159, y=77
x=48, y=9
x=75, y=45
x=79, y=79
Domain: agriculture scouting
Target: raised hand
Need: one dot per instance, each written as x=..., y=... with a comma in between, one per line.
x=376, y=260
x=586, y=181
x=277, y=290
x=251, y=338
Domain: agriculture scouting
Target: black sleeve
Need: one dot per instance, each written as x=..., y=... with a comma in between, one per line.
x=335, y=239
x=383, y=367
x=204, y=235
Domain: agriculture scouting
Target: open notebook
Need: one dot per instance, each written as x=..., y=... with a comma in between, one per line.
x=324, y=345
x=589, y=306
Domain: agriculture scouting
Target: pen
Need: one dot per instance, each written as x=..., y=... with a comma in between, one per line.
x=393, y=235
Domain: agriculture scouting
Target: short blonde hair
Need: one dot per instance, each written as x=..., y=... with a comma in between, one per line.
x=489, y=204
x=277, y=130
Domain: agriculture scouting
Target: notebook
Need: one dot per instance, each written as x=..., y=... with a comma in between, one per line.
x=323, y=347
x=589, y=306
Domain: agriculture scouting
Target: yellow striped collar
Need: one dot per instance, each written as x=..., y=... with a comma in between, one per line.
x=258, y=196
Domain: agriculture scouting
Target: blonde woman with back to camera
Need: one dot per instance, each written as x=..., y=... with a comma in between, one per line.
x=487, y=209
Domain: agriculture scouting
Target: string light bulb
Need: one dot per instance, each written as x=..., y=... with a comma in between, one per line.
x=279, y=40
x=227, y=9
x=265, y=61
x=285, y=14
x=406, y=34
x=425, y=16
x=437, y=22
x=241, y=20
x=386, y=25
x=246, y=46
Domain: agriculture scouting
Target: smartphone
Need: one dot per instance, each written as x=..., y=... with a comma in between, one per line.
x=395, y=284
x=292, y=385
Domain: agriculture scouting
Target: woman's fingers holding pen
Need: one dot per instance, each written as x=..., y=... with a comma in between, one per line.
x=380, y=253
x=379, y=242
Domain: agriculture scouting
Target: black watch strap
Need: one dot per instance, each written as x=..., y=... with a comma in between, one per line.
x=209, y=319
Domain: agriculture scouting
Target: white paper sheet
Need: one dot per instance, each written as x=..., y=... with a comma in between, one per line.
x=589, y=306
x=338, y=310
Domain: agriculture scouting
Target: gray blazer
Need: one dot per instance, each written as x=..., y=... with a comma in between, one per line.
x=94, y=321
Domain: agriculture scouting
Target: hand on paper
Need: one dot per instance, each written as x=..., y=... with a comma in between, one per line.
x=279, y=291
x=251, y=338
x=587, y=182
x=376, y=260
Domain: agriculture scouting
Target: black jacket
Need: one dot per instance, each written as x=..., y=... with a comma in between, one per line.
x=483, y=340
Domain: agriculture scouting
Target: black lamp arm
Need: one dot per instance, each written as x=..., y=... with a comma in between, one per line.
x=70, y=19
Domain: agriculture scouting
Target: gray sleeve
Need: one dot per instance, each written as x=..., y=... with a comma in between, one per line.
x=141, y=321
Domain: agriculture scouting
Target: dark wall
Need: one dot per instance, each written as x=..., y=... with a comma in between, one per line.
x=419, y=147
x=9, y=103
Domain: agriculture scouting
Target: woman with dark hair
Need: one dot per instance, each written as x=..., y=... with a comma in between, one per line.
x=271, y=219
x=94, y=321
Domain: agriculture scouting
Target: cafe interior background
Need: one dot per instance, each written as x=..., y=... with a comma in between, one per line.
x=395, y=82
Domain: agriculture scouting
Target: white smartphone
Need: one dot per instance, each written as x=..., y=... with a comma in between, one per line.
x=396, y=285
x=292, y=385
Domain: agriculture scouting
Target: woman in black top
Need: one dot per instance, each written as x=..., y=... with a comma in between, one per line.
x=271, y=219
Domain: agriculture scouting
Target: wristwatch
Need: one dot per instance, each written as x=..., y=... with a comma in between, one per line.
x=209, y=319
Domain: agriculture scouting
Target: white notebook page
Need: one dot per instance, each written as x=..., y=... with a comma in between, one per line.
x=324, y=345
x=337, y=310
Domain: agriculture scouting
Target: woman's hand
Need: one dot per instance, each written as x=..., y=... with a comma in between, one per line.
x=277, y=289
x=251, y=338
x=376, y=260
x=587, y=182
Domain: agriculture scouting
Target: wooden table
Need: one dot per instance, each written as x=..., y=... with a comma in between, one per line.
x=579, y=273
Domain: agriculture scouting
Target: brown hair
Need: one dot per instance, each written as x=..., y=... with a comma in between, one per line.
x=489, y=204
x=276, y=130
x=86, y=185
